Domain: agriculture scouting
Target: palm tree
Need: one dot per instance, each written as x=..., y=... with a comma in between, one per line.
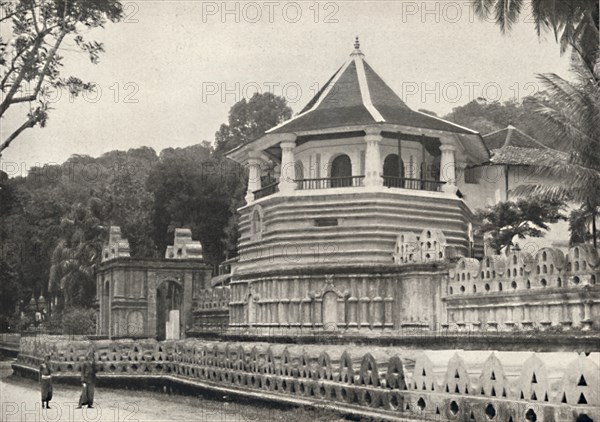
x=73, y=258
x=573, y=22
x=571, y=120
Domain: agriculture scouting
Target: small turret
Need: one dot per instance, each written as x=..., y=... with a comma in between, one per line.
x=184, y=247
x=117, y=247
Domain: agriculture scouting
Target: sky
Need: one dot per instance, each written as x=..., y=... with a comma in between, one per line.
x=173, y=69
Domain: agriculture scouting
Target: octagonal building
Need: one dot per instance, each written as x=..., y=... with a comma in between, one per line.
x=352, y=208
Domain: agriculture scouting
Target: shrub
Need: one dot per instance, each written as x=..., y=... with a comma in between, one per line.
x=78, y=321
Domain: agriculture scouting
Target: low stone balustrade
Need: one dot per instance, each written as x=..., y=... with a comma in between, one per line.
x=382, y=382
x=548, y=291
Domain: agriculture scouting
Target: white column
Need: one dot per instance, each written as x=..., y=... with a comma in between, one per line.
x=373, y=167
x=448, y=168
x=287, y=179
x=254, y=173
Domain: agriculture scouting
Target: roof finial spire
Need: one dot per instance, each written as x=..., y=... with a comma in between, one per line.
x=356, y=51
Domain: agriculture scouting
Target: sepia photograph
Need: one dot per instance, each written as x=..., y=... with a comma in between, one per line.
x=313, y=210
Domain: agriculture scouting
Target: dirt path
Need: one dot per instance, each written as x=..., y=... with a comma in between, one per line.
x=19, y=402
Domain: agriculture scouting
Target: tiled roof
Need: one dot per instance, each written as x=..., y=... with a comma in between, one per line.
x=525, y=156
x=356, y=95
x=511, y=136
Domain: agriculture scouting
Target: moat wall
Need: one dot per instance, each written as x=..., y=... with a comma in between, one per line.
x=380, y=382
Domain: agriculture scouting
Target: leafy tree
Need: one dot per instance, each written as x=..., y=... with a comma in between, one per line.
x=30, y=61
x=8, y=287
x=115, y=195
x=490, y=116
x=73, y=258
x=579, y=223
x=30, y=230
x=574, y=22
x=194, y=188
x=523, y=218
x=571, y=122
x=53, y=221
x=250, y=119
x=129, y=204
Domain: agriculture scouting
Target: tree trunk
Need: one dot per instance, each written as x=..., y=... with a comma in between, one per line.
x=594, y=229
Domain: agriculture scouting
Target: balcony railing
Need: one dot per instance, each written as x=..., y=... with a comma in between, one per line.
x=266, y=191
x=352, y=181
x=414, y=184
x=330, y=182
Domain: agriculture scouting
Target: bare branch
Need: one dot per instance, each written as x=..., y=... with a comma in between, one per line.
x=35, y=22
x=11, y=100
x=31, y=122
x=15, y=87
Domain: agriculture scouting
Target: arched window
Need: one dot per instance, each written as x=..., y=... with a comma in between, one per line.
x=393, y=169
x=341, y=171
x=256, y=223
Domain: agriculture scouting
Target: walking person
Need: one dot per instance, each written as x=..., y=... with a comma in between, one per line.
x=88, y=379
x=46, y=382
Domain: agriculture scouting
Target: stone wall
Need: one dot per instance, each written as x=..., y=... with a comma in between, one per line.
x=211, y=310
x=379, y=382
x=374, y=297
x=550, y=290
